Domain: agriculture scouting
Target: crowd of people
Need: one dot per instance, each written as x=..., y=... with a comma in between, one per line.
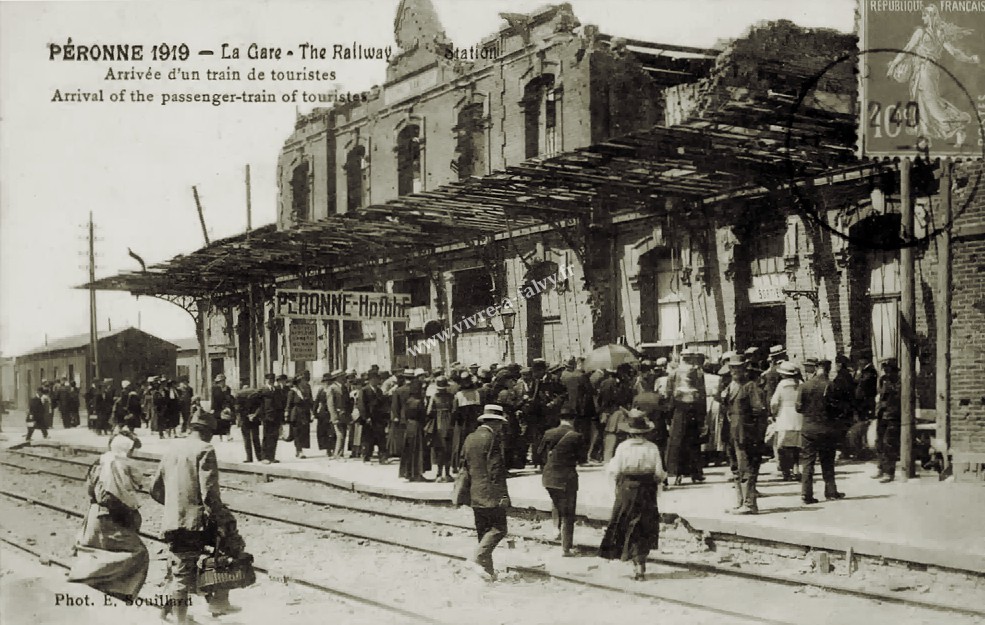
x=654, y=423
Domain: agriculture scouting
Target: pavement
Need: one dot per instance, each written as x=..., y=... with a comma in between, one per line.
x=923, y=520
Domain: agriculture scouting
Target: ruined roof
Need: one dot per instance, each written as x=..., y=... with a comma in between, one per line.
x=743, y=131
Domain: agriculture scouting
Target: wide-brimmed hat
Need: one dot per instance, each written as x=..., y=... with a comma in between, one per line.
x=441, y=382
x=203, y=421
x=810, y=362
x=787, y=368
x=492, y=412
x=539, y=363
x=890, y=362
x=220, y=378
x=474, y=365
x=407, y=373
x=326, y=377
x=335, y=375
x=737, y=360
x=776, y=350
x=637, y=423
x=419, y=372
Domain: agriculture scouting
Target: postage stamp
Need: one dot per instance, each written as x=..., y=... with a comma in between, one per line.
x=922, y=78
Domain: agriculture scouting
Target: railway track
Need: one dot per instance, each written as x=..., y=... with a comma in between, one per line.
x=637, y=591
x=346, y=594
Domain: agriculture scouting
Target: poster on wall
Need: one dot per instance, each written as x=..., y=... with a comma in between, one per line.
x=303, y=340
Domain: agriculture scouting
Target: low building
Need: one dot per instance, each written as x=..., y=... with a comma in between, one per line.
x=124, y=354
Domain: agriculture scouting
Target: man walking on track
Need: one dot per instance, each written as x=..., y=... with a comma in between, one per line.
x=187, y=484
x=483, y=458
x=562, y=449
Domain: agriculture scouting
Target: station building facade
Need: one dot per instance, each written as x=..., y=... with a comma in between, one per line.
x=715, y=272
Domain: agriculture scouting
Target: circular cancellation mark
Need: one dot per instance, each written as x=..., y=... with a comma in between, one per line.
x=899, y=120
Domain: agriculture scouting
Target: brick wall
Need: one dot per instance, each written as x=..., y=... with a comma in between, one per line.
x=968, y=311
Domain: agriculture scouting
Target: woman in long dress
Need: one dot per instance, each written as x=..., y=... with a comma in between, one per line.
x=634, y=527
x=788, y=422
x=110, y=556
x=412, y=464
x=918, y=64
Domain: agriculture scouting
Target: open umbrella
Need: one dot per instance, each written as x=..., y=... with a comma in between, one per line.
x=609, y=357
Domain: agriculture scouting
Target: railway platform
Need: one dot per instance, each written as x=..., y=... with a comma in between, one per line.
x=918, y=522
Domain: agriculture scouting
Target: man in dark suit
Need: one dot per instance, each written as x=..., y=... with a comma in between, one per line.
x=866, y=386
x=579, y=399
x=770, y=378
x=373, y=411
x=746, y=405
x=272, y=414
x=249, y=409
x=889, y=413
x=820, y=434
x=36, y=415
x=562, y=448
x=483, y=457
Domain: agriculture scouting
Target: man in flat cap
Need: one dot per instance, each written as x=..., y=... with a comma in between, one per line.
x=889, y=413
x=747, y=417
x=187, y=485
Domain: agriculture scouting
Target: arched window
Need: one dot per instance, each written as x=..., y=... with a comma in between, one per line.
x=354, y=166
x=409, y=174
x=301, y=192
x=471, y=141
x=539, y=102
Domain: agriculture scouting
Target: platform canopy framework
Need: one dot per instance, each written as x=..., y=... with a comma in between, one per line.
x=762, y=120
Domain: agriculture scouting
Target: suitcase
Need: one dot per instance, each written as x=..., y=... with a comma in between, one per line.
x=223, y=572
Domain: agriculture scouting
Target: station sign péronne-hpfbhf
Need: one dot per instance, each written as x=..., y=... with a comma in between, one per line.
x=342, y=305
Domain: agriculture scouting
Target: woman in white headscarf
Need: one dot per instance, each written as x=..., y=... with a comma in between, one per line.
x=110, y=556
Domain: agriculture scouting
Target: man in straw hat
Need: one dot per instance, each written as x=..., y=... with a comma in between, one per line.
x=562, y=449
x=187, y=484
x=747, y=417
x=483, y=457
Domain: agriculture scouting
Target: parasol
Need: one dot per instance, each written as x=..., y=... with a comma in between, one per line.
x=609, y=357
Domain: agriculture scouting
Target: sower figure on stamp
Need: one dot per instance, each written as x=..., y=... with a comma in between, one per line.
x=483, y=458
x=187, y=484
x=562, y=449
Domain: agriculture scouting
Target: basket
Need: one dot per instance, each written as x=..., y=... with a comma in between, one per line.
x=224, y=573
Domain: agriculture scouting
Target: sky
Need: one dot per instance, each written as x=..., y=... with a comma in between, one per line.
x=133, y=165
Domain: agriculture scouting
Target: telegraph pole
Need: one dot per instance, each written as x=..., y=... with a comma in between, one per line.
x=907, y=320
x=93, y=332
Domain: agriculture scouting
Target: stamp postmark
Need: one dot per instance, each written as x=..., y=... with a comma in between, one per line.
x=922, y=78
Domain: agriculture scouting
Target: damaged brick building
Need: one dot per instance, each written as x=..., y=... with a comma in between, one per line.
x=703, y=198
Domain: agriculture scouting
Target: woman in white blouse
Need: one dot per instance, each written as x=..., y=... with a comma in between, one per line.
x=634, y=527
x=788, y=422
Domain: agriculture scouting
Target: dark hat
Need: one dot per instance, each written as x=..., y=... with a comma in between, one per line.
x=327, y=377
x=441, y=382
x=539, y=363
x=824, y=363
x=637, y=423
x=890, y=362
x=282, y=377
x=841, y=359
x=810, y=362
x=269, y=376
x=474, y=366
